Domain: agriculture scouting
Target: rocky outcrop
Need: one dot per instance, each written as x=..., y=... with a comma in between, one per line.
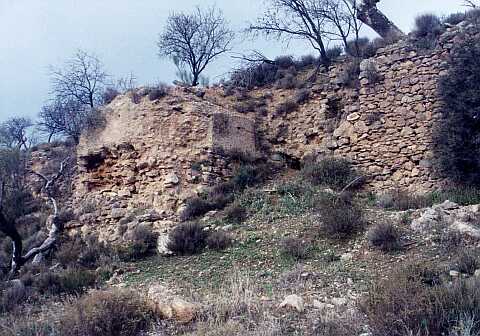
x=450, y=216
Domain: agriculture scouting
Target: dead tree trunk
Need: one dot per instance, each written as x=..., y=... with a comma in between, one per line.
x=56, y=226
x=369, y=14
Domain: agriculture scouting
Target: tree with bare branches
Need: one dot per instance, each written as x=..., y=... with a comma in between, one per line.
x=195, y=39
x=55, y=225
x=82, y=80
x=13, y=132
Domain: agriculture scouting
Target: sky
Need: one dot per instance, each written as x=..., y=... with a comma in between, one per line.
x=36, y=34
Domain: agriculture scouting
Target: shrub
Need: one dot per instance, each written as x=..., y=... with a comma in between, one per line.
x=221, y=195
x=141, y=242
x=187, y=238
x=349, y=76
x=371, y=73
x=455, y=18
x=195, y=207
x=105, y=313
x=406, y=304
x=457, y=148
x=70, y=281
x=402, y=200
x=332, y=172
x=334, y=52
x=302, y=96
x=109, y=95
x=157, y=92
x=286, y=107
x=11, y=295
x=235, y=213
x=428, y=28
x=340, y=217
x=287, y=81
x=219, y=240
x=306, y=61
x=384, y=236
x=248, y=176
x=466, y=262
x=245, y=106
x=295, y=248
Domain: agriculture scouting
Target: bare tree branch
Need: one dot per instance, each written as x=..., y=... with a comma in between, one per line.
x=470, y=3
x=56, y=226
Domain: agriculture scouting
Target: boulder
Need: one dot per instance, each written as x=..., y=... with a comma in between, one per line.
x=293, y=302
x=168, y=306
x=162, y=245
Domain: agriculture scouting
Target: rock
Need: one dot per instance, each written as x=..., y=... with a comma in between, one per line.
x=162, y=245
x=167, y=306
x=454, y=274
x=293, y=301
x=353, y=116
x=171, y=180
x=118, y=213
x=477, y=273
x=346, y=257
x=151, y=216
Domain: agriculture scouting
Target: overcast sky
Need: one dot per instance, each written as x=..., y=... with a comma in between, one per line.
x=122, y=33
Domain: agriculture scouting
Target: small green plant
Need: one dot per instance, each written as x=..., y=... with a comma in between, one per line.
x=235, y=213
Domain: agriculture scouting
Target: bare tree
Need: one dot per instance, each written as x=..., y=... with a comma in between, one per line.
x=66, y=118
x=81, y=80
x=77, y=91
x=301, y=19
x=55, y=225
x=194, y=40
x=13, y=132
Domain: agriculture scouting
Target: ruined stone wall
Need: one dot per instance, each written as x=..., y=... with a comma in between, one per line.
x=149, y=158
x=385, y=127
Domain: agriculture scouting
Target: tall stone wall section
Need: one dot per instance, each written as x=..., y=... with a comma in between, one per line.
x=150, y=157
x=385, y=127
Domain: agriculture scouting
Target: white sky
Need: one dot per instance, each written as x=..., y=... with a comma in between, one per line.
x=38, y=33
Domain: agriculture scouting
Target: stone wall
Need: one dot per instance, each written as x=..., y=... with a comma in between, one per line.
x=150, y=157
x=385, y=127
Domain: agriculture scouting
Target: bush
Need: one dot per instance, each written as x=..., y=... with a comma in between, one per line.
x=466, y=262
x=302, y=96
x=409, y=304
x=350, y=74
x=331, y=172
x=402, y=200
x=248, y=176
x=187, y=238
x=455, y=18
x=457, y=148
x=334, y=53
x=70, y=281
x=195, y=207
x=157, y=92
x=295, y=248
x=109, y=95
x=384, y=236
x=340, y=217
x=287, y=81
x=428, y=28
x=245, y=106
x=371, y=73
x=11, y=295
x=141, y=243
x=235, y=213
x=219, y=240
x=286, y=107
x=105, y=313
